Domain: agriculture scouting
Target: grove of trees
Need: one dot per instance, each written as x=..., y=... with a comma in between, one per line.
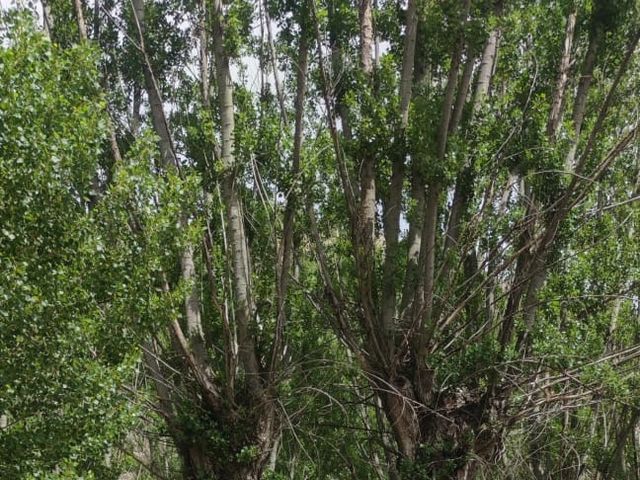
x=320, y=239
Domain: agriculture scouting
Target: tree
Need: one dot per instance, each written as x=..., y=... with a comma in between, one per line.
x=326, y=239
x=60, y=376
x=447, y=319
x=215, y=382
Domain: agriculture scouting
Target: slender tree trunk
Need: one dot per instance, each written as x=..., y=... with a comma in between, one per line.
x=82, y=26
x=47, y=18
x=366, y=36
x=408, y=60
x=558, y=101
x=286, y=250
x=239, y=249
x=580, y=101
x=195, y=331
x=464, y=180
x=262, y=421
x=158, y=118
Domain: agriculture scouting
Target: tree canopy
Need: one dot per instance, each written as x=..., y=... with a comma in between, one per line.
x=327, y=239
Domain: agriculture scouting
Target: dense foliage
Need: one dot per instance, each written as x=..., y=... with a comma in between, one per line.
x=319, y=239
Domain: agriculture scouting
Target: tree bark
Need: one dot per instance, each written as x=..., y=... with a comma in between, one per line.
x=239, y=248
x=558, y=101
x=408, y=60
x=366, y=36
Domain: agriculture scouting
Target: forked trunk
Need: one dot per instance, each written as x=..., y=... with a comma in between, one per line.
x=445, y=436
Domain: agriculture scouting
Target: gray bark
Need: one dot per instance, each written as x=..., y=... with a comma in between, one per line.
x=580, y=101
x=82, y=26
x=465, y=177
x=47, y=18
x=406, y=76
x=366, y=36
x=486, y=70
x=558, y=101
x=195, y=331
x=285, y=255
x=158, y=117
x=393, y=202
x=238, y=245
